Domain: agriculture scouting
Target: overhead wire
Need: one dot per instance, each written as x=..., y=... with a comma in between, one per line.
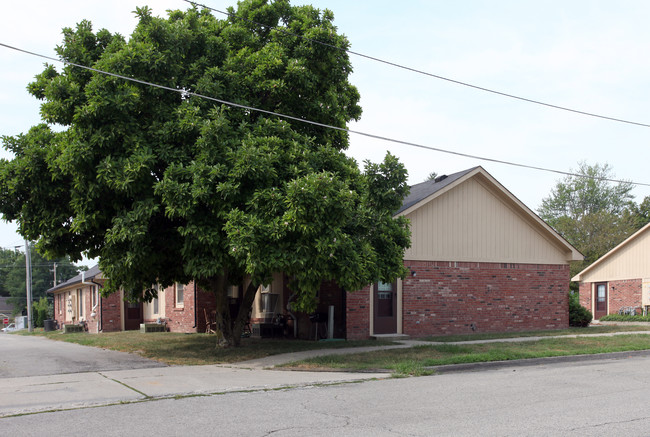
x=22, y=267
x=422, y=72
x=186, y=93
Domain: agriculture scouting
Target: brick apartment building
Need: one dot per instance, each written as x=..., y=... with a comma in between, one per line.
x=480, y=261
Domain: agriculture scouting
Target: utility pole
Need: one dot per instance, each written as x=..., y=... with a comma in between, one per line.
x=54, y=285
x=28, y=280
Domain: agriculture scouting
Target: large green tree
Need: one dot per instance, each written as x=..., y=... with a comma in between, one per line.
x=593, y=214
x=167, y=187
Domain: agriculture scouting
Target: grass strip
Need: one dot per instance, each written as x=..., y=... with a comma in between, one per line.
x=571, y=331
x=196, y=349
x=415, y=360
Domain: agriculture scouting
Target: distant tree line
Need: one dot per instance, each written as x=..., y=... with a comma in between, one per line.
x=13, y=276
x=592, y=213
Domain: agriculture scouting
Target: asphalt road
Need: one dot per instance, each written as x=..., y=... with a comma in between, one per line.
x=35, y=356
x=596, y=398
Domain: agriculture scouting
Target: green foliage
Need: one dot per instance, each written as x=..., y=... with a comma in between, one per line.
x=579, y=316
x=641, y=213
x=165, y=188
x=8, y=260
x=592, y=214
x=42, y=310
x=13, y=276
x=624, y=318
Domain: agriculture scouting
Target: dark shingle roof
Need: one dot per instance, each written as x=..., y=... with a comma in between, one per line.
x=89, y=274
x=421, y=191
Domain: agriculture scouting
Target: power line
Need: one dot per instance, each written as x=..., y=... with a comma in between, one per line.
x=13, y=248
x=186, y=93
x=425, y=73
x=36, y=265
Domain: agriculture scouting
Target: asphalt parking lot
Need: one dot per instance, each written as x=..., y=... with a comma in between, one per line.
x=36, y=356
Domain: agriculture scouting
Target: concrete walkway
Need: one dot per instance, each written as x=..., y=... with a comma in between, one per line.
x=34, y=394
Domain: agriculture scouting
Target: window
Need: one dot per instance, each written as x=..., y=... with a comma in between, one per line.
x=154, y=302
x=93, y=296
x=233, y=291
x=268, y=300
x=80, y=302
x=180, y=288
x=601, y=297
x=60, y=301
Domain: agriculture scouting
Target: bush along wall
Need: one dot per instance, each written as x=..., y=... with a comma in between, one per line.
x=579, y=316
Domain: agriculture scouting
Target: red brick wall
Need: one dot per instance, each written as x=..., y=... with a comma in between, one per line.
x=358, y=314
x=183, y=319
x=451, y=298
x=180, y=319
x=111, y=318
x=622, y=293
x=585, y=295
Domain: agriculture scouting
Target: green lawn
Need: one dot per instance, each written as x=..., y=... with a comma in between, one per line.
x=415, y=360
x=597, y=329
x=195, y=349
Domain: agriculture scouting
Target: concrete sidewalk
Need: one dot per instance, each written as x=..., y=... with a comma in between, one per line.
x=78, y=390
x=23, y=395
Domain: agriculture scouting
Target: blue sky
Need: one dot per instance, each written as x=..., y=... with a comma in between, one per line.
x=587, y=55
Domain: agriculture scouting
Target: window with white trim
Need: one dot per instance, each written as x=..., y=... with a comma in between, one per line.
x=154, y=302
x=80, y=303
x=180, y=288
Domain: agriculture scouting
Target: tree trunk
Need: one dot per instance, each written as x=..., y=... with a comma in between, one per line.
x=243, y=313
x=229, y=328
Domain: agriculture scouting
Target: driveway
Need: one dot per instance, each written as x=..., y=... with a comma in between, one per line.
x=36, y=356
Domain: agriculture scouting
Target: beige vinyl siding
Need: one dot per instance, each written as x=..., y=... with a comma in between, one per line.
x=631, y=261
x=475, y=222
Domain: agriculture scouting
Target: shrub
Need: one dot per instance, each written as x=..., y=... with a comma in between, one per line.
x=41, y=311
x=578, y=315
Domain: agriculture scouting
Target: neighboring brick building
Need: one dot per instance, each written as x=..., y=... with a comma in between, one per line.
x=480, y=261
x=182, y=306
x=620, y=279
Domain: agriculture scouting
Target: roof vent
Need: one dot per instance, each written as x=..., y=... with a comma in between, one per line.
x=440, y=178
